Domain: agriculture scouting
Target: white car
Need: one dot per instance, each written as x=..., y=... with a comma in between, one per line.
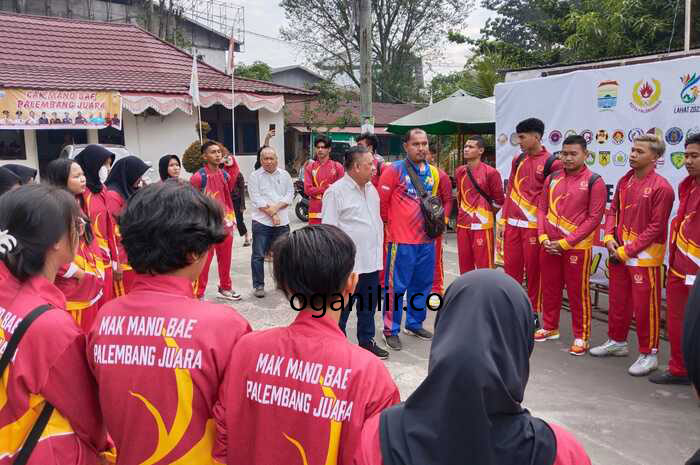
x=71, y=151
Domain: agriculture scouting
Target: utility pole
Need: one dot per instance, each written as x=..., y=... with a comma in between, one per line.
x=367, y=120
x=687, y=24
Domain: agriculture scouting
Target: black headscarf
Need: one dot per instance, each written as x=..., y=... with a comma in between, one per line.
x=91, y=160
x=24, y=173
x=124, y=174
x=163, y=166
x=8, y=180
x=467, y=410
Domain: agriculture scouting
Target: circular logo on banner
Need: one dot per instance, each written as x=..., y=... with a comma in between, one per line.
x=634, y=133
x=502, y=139
x=646, y=95
x=601, y=136
x=692, y=131
x=620, y=159
x=618, y=136
x=514, y=139
x=588, y=135
x=657, y=132
x=674, y=136
x=555, y=136
x=604, y=157
x=570, y=132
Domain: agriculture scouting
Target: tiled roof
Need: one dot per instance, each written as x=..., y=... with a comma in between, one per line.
x=384, y=113
x=40, y=52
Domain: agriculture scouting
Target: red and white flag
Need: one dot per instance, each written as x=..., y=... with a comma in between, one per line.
x=194, y=81
x=231, y=51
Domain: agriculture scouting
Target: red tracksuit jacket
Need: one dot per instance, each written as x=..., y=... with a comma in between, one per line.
x=219, y=189
x=639, y=215
x=445, y=192
x=159, y=357
x=399, y=204
x=102, y=224
x=569, y=450
x=474, y=211
x=684, y=250
x=49, y=365
x=568, y=212
x=115, y=205
x=525, y=186
x=82, y=296
x=317, y=178
x=301, y=394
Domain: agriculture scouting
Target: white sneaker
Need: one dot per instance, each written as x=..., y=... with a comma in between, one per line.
x=617, y=349
x=645, y=364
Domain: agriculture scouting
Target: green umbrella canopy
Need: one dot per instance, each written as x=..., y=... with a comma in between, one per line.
x=458, y=114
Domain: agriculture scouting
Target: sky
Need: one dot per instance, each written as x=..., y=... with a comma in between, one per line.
x=263, y=19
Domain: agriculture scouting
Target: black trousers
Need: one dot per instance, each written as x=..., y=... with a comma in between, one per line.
x=240, y=224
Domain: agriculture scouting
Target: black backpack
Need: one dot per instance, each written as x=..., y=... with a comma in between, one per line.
x=430, y=205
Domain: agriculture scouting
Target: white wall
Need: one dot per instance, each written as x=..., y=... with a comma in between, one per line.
x=154, y=136
x=265, y=118
x=30, y=149
x=151, y=137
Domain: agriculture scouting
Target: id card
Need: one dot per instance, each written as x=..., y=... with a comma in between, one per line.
x=689, y=279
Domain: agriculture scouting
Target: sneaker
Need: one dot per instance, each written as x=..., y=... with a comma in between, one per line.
x=665, y=377
x=542, y=335
x=434, y=302
x=392, y=342
x=375, y=349
x=229, y=294
x=419, y=333
x=259, y=292
x=579, y=347
x=645, y=364
x=617, y=349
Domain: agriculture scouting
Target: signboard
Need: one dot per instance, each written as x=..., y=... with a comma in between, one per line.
x=609, y=107
x=41, y=109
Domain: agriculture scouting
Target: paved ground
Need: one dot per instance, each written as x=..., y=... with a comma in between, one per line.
x=620, y=420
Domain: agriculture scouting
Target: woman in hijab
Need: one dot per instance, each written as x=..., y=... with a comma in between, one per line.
x=123, y=182
x=25, y=174
x=691, y=347
x=82, y=280
x=468, y=409
x=169, y=167
x=8, y=180
x=230, y=165
x=95, y=160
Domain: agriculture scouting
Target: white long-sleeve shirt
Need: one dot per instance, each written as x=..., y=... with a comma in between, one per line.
x=355, y=210
x=267, y=189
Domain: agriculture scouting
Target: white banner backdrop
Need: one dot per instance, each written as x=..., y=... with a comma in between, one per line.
x=609, y=107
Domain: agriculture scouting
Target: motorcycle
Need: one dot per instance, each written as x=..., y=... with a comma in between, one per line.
x=302, y=206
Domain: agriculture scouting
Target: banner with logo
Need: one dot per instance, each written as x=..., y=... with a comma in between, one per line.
x=609, y=107
x=42, y=109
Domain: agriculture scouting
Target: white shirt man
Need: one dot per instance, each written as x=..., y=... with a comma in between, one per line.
x=271, y=192
x=352, y=204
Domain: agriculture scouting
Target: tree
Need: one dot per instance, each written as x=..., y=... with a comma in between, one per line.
x=403, y=32
x=478, y=78
x=606, y=28
x=258, y=70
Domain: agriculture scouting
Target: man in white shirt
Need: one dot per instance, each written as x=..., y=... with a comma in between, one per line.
x=271, y=192
x=352, y=204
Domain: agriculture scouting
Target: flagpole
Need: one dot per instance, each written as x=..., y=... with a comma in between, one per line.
x=199, y=115
x=232, y=67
